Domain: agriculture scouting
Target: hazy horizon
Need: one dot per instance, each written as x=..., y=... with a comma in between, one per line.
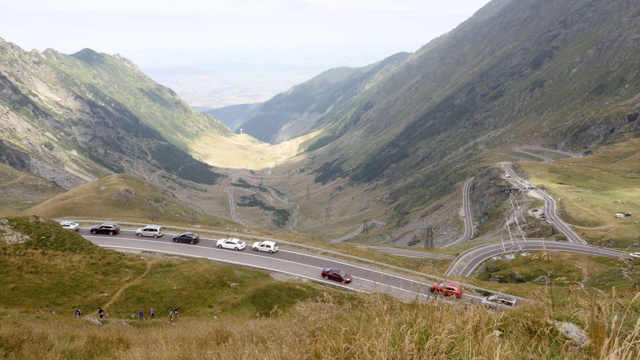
x=222, y=52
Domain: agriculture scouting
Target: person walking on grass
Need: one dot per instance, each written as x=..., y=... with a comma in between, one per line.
x=152, y=313
x=100, y=313
x=78, y=313
x=140, y=315
x=175, y=314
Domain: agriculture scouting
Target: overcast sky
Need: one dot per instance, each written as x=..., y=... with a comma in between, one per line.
x=135, y=27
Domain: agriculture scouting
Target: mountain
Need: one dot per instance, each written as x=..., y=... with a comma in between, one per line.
x=297, y=111
x=388, y=144
x=234, y=115
x=562, y=75
x=72, y=119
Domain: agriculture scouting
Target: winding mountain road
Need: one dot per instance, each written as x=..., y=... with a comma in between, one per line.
x=467, y=216
x=526, y=150
x=407, y=286
x=550, y=205
x=465, y=264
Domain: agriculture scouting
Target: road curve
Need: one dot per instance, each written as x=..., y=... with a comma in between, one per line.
x=523, y=149
x=466, y=217
x=367, y=279
x=550, y=206
x=465, y=264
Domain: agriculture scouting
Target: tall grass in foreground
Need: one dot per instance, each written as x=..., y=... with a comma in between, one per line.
x=373, y=327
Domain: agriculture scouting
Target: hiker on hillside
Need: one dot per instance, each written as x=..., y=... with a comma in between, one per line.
x=175, y=314
x=78, y=313
x=152, y=313
x=101, y=313
x=140, y=315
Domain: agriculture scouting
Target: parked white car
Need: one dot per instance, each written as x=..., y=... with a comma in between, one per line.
x=150, y=230
x=69, y=225
x=235, y=244
x=266, y=246
x=634, y=255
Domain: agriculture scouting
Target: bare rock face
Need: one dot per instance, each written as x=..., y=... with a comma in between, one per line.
x=94, y=321
x=9, y=236
x=578, y=337
x=124, y=195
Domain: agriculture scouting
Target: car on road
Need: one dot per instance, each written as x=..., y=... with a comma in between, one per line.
x=150, y=230
x=447, y=289
x=187, y=237
x=232, y=243
x=105, y=228
x=266, y=246
x=499, y=301
x=634, y=255
x=336, y=275
x=69, y=225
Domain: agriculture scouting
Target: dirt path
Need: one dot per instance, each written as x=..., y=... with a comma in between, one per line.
x=129, y=284
x=17, y=180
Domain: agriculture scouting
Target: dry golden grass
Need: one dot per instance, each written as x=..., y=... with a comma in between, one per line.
x=20, y=190
x=244, y=151
x=261, y=318
x=373, y=327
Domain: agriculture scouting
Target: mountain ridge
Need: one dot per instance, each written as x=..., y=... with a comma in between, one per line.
x=78, y=118
x=389, y=142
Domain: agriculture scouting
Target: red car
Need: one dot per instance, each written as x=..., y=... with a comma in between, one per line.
x=447, y=289
x=336, y=274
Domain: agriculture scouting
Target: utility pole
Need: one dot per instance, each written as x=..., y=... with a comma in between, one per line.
x=428, y=241
x=365, y=227
x=326, y=215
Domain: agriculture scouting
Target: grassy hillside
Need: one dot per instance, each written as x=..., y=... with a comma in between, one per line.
x=231, y=312
x=20, y=190
x=125, y=198
x=591, y=190
x=302, y=108
x=517, y=73
x=104, y=76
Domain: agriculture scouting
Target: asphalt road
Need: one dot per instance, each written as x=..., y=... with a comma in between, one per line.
x=467, y=217
x=468, y=261
x=304, y=265
x=550, y=206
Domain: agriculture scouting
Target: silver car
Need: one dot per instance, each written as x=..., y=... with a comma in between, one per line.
x=499, y=301
x=150, y=230
x=266, y=246
x=69, y=225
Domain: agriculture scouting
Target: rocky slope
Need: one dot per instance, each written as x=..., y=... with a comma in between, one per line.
x=73, y=119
